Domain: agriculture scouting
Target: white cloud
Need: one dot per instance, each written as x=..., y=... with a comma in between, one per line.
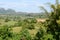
x=23, y=5
x=13, y=4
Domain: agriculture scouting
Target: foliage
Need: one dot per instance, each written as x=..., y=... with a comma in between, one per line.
x=52, y=25
x=48, y=30
x=23, y=35
x=5, y=33
x=30, y=26
x=39, y=35
x=6, y=20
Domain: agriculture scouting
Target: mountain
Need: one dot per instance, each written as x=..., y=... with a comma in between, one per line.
x=8, y=11
x=11, y=11
x=2, y=10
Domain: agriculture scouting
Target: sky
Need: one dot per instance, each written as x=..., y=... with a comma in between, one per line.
x=25, y=5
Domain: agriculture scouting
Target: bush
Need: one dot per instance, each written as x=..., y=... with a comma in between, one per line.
x=6, y=20
x=5, y=33
x=23, y=35
x=39, y=35
x=31, y=26
x=30, y=20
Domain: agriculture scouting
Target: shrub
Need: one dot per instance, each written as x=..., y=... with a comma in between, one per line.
x=30, y=20
x=23, y=35
x=31, y=26
x=5, y=33
x=39, y=34
x=6, y=20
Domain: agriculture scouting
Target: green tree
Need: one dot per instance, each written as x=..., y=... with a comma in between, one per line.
x=52, y=25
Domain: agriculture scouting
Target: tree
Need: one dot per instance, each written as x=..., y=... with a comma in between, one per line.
x=52, y=25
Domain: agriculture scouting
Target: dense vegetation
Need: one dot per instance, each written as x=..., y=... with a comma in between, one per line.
x=27, y=27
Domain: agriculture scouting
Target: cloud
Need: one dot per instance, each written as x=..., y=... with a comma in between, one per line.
x=12, y=4
x=29, y=6
x=22, y=3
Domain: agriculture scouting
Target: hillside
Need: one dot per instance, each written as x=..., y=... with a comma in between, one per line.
x=13, y=12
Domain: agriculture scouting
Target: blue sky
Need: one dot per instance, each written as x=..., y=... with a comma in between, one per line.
x=24, y=5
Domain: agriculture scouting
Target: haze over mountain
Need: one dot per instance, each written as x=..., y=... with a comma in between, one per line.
x=10, y=11
x=3, y=11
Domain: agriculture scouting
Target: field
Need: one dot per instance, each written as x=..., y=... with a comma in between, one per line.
x=17, y=29
x=17, y=25
x=30, y=26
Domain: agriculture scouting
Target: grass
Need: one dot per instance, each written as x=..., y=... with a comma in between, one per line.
x=10, y=23
x=7, y=23
x=18, y=29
